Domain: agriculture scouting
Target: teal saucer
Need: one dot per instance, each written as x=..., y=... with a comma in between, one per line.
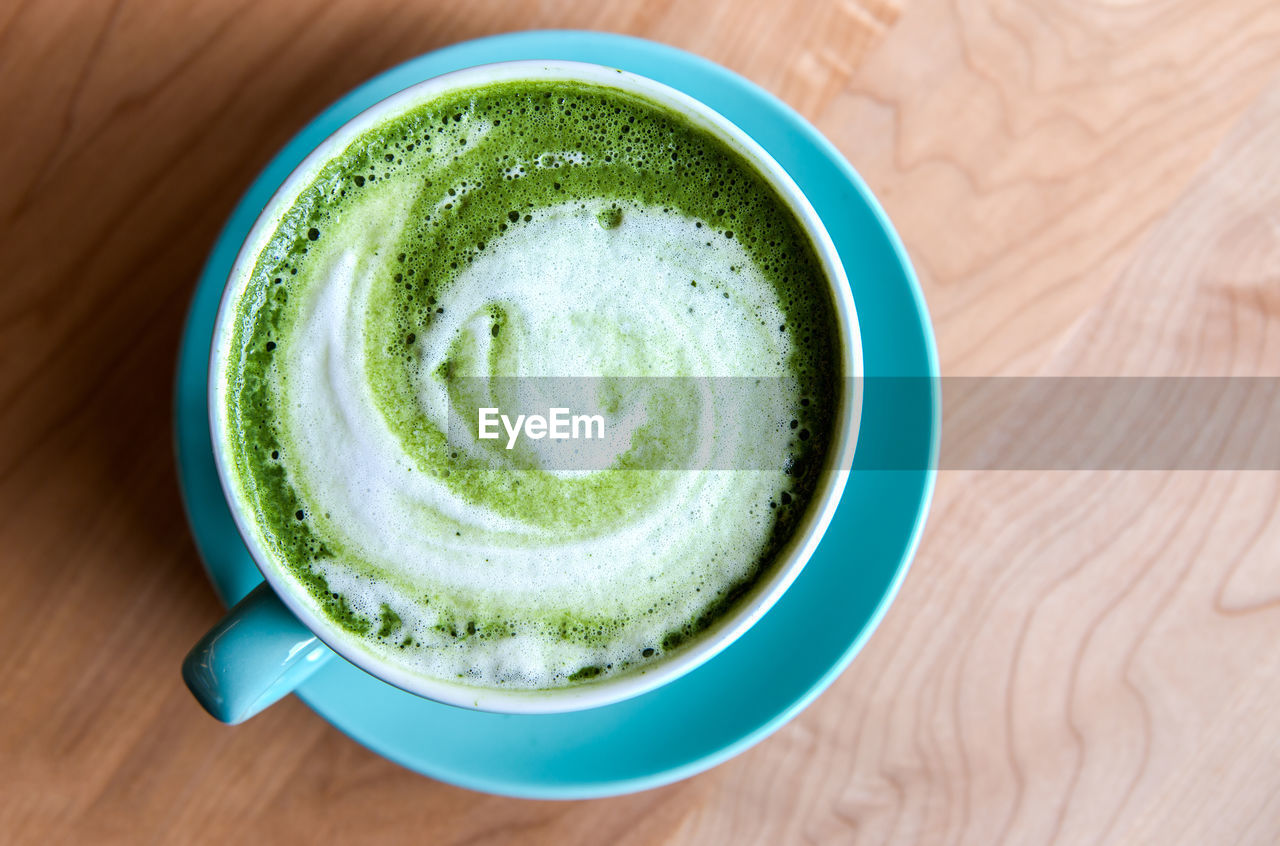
x=798, y=648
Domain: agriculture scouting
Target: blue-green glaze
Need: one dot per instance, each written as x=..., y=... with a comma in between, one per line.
x=256, y=655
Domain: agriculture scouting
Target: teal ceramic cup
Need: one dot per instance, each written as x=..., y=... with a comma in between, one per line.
x=274, y=638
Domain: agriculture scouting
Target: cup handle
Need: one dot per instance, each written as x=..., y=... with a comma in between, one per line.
x=255, y=656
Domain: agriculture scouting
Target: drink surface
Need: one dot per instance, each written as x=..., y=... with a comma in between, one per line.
x=547, y=230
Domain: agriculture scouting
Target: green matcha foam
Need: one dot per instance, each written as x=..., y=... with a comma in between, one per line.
x=528, y=229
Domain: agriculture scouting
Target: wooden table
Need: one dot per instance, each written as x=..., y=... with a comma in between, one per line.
x=1077, y=657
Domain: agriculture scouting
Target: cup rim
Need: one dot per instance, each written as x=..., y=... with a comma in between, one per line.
x=796, y=551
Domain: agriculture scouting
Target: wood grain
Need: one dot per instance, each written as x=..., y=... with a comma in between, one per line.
x=1080, y=657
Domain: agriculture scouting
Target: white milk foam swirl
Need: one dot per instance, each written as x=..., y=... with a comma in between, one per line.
x=581, y=300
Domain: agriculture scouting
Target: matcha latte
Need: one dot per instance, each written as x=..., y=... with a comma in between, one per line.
x=548, y=230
